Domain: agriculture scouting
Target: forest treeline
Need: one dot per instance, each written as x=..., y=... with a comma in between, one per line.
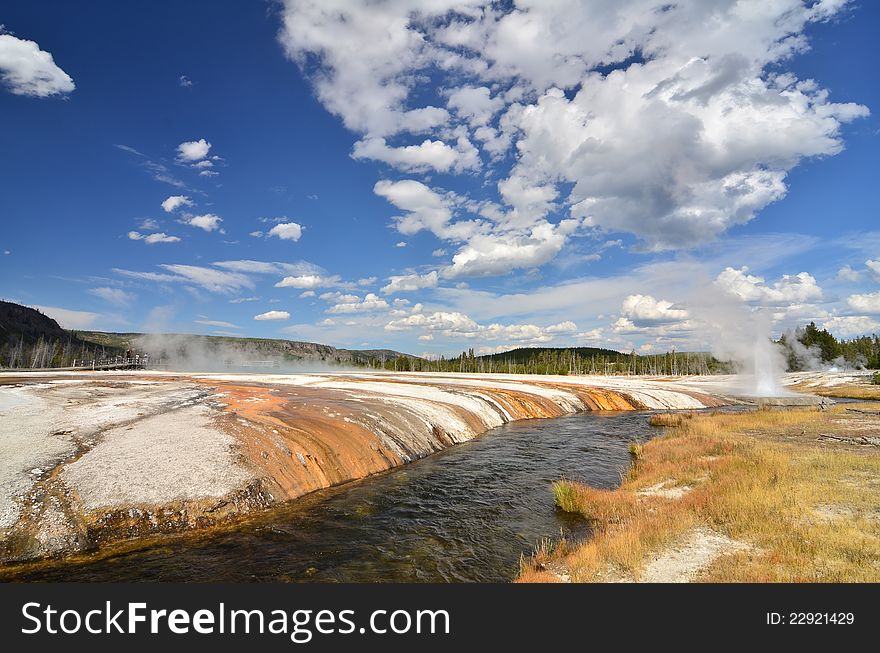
x=564, y=360
x=808, y=348
x=805, y=348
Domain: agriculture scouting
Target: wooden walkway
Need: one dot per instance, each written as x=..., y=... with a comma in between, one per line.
x=102, y=365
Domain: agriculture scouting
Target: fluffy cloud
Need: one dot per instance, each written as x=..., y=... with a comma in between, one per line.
x=487, y=247
x=454, y=324
x=451, y=322
x=174, y=202
x=192, y=151
x=874, y=267
x=475, y=104
x=673, y=123
x=366, y=51
x=207, y=222
x=846, y=273
x=428, y=155
x=273, y=315
x=308, y=281
x=423, y=207
x=867, y=303
x=354, y=304
x=337, y=296
x=488, y=255
x=113, y=295
x=25, y=69
x=152, y=239
x=563, y=327
x=790, y=289
x=644, y=310
x=410, y=282
x=852, y=325
x=286, y=231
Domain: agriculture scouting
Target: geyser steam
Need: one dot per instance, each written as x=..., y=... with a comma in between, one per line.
x=743, y=335
x=195, y=353
x=765, y=378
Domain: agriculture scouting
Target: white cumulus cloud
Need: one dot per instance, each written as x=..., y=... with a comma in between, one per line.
x=874, y=267
x=272, y=315
x=790, y=289
x=672, y=122
x=192, y=151
x=354, y=304
x=308, y=281
x=152, y=239
x=287, y=231
x=865, y=303
x=644, y=309
x=174, y=202
x=207, y=222
x=846, y=273
x=410, y=282
x=852, y=325
x=428, y=155
x=454, y=324
x=25, y=69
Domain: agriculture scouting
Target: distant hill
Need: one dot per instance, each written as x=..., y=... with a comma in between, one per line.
x=19, y=322
x=30, y=339
x=523, y=354
x=218, y=352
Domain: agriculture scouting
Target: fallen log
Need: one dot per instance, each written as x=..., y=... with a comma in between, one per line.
x=862, y=440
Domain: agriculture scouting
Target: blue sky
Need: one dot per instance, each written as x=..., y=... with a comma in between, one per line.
x=436, y=176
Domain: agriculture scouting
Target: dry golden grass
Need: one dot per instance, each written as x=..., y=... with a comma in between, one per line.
x=849, y=391
x=810, y=512
x=669, y=419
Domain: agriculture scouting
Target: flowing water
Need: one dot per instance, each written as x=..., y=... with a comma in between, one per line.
x=464, y=514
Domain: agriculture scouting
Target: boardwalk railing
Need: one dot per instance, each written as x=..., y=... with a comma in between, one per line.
x=135, y=362
x=115, y=363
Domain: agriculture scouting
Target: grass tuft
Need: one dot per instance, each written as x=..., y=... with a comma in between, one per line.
x=636, y=450
x=669, y=419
